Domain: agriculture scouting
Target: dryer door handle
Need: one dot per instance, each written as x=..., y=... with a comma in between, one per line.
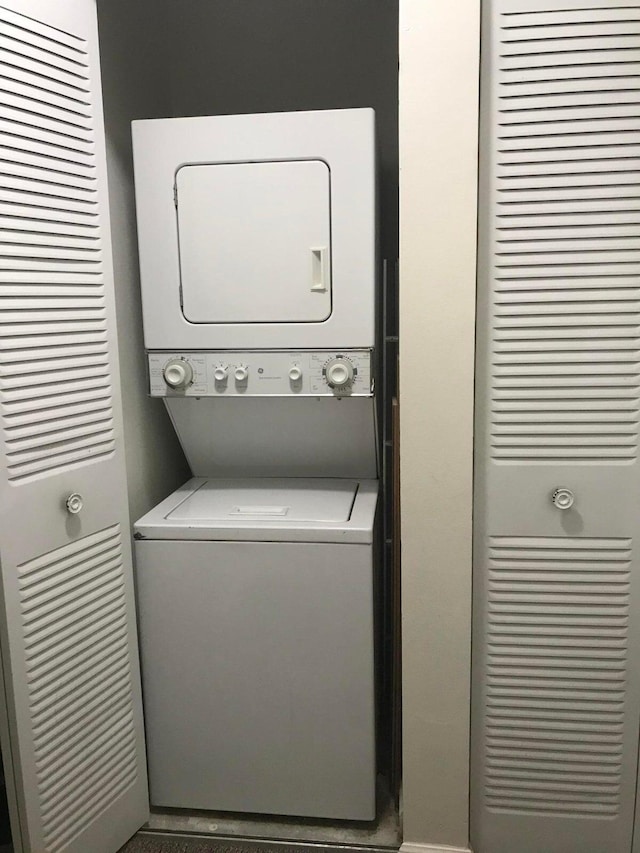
x=319, y=269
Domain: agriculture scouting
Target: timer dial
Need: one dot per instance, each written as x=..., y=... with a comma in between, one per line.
x=339, y=372
x=177, y=373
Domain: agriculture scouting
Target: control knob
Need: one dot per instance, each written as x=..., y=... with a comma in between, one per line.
x=339, y=372
x=220, y=372
x=177, y=373
x=241, y=373
x=295, y=373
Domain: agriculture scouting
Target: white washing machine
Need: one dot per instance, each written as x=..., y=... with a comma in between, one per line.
x=256, y=627
x=256, y=580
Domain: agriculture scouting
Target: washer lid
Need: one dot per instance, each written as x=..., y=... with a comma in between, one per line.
x=265, y=509
x=267, y=500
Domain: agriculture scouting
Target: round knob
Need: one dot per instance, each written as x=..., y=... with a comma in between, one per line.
x=241, y=373
x=74, y=503
x=562, y=498
x=339, y=372
x=178, y=373
x=220, y=373
x=295, y=373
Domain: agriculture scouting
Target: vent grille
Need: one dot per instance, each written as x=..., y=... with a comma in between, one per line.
x=74, y=627
x=556, y=674
x=55, y=394
x=566, y=239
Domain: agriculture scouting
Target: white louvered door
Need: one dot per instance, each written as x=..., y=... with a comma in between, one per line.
x=556, y=710
x=73, y=731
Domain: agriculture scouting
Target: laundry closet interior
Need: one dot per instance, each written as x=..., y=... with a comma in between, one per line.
x=169, y=60
x=545, y=247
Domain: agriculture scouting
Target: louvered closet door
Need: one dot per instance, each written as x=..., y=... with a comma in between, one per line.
x=67, y=622
x=557, y=642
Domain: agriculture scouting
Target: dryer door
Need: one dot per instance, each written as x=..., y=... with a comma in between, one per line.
x=255, y=243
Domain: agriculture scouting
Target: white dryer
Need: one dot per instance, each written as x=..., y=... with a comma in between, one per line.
x=256, y=620
x=257, y=231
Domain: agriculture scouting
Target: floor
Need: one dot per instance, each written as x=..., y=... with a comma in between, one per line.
x=154, y=843
x=229, y=833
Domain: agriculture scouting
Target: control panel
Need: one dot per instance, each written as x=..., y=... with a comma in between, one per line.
x=261, y=374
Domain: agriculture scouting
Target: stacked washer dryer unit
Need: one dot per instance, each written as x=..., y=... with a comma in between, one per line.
x=255, y=579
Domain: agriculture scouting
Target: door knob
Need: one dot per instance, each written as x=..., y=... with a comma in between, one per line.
x=562, y=498
x=74, y=503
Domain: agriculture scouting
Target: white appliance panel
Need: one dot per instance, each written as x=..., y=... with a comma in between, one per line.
x=317, y=319
x=277, y=436
x=262, y=374
x=268, y=651
x=255, y=242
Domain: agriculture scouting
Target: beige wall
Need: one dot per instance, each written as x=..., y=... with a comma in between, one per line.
x=439, y=66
